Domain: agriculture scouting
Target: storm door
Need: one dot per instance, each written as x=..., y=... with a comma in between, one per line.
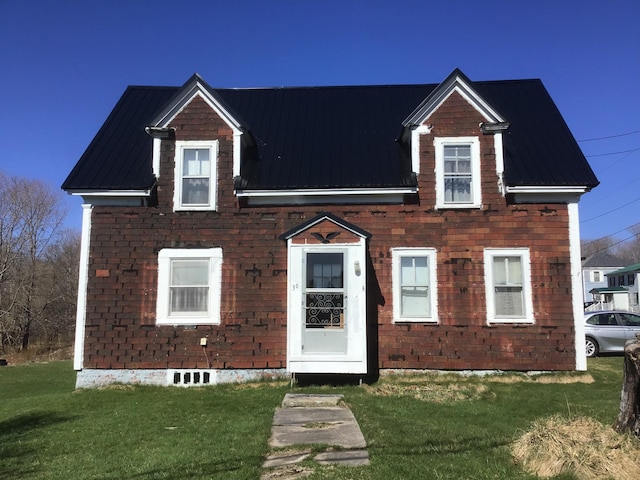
x=326, y=297
x=324, y=303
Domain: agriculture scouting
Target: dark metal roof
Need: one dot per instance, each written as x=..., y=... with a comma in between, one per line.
x=539, y=148
x=120, y=155
x=335, y=137
x=324, y=137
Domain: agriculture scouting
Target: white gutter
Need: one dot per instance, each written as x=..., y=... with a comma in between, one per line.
x=536, y=189
x=110, y=193
x=325, y=192
x=321, y=196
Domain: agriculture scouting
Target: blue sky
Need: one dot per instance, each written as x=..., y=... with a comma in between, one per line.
x=64, y=64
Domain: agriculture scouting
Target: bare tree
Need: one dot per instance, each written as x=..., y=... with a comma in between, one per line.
x=60, y=287
x=590, y=247
x=630, y=249
x=31, y=216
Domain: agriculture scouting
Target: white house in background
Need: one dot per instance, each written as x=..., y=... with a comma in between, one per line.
x=595, y=267
x=621, y=292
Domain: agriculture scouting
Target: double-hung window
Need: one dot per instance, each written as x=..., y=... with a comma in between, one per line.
x=457, y=172
x=508, y=285
x=195, y=175
x=189, y=282
x=414, y=285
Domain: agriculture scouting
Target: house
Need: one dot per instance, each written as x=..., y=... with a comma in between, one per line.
x=231, y=234
x=594, y=269
x=621, y=292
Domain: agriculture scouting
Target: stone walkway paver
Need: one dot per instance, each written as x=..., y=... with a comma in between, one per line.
x=306, y=419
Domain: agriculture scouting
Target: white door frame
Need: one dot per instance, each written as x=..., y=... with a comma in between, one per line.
x=354, y=357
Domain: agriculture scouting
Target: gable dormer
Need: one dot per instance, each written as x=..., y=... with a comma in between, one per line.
x=457, y=148
x=198, y=120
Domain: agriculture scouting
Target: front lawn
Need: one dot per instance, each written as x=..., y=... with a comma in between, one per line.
x=419, y=427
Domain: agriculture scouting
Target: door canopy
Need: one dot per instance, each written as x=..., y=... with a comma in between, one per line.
x=325, y=228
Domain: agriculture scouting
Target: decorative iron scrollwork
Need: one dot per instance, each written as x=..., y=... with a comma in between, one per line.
x=325, y=310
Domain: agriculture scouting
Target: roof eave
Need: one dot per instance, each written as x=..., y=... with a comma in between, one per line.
x=341, y=196
x=546, y=193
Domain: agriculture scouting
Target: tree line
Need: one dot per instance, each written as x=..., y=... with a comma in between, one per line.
x=38, y=266
x=627, y=249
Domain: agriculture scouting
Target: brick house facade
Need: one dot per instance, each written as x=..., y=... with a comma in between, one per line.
x=263, y=244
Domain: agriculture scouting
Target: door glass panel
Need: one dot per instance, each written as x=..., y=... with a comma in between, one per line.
x=324, y=270
x=325, y=295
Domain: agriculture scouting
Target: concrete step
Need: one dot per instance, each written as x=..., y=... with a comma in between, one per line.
x=311, y=400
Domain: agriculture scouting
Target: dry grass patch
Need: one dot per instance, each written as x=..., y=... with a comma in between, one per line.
x=547, y=379
x=430, y=376
x=254, y=384
x=581, y=446
x=432, y=392
x=38, y=353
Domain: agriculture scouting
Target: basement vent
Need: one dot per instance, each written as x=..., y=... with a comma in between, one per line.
x=191, y=378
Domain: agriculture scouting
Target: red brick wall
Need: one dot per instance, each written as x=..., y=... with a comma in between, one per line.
x=125, y=241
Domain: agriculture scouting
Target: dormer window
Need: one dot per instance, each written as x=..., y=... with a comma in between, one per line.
x=457, y=172
x=195, y=175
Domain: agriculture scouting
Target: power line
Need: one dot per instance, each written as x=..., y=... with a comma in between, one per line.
x=611, y=211
x=611, y=234
x=614, y=244
x=613, y=153
x=609, y=136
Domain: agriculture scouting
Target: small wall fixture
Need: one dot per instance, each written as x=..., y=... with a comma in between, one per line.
x=356, y=267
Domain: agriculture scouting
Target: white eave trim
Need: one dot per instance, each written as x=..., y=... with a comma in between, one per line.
x=315, y=196
x=538, y=194
x=110, y=193
x=536, y=189
x=114, y=198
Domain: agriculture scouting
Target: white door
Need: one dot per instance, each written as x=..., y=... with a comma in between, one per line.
x=326, y=331
x=324, y=302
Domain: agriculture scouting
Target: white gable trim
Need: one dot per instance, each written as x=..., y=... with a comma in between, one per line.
x=415, y=145
x=319, y=219
x=497, y=146
x=155, y=167
x=198, y=89
x=442, y=93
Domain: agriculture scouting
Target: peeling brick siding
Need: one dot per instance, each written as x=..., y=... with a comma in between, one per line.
x=125, y=241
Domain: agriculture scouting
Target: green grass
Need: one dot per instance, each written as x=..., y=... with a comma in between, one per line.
x=48, y=431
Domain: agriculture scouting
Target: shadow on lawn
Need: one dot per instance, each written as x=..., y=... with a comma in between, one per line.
x=14, y=436
x=204, y=469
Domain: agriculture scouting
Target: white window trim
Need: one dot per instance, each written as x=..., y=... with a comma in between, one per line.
x=214, y=255
x=439, y=143
x=489, y=254
x=181, y=145
x=430, y=253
